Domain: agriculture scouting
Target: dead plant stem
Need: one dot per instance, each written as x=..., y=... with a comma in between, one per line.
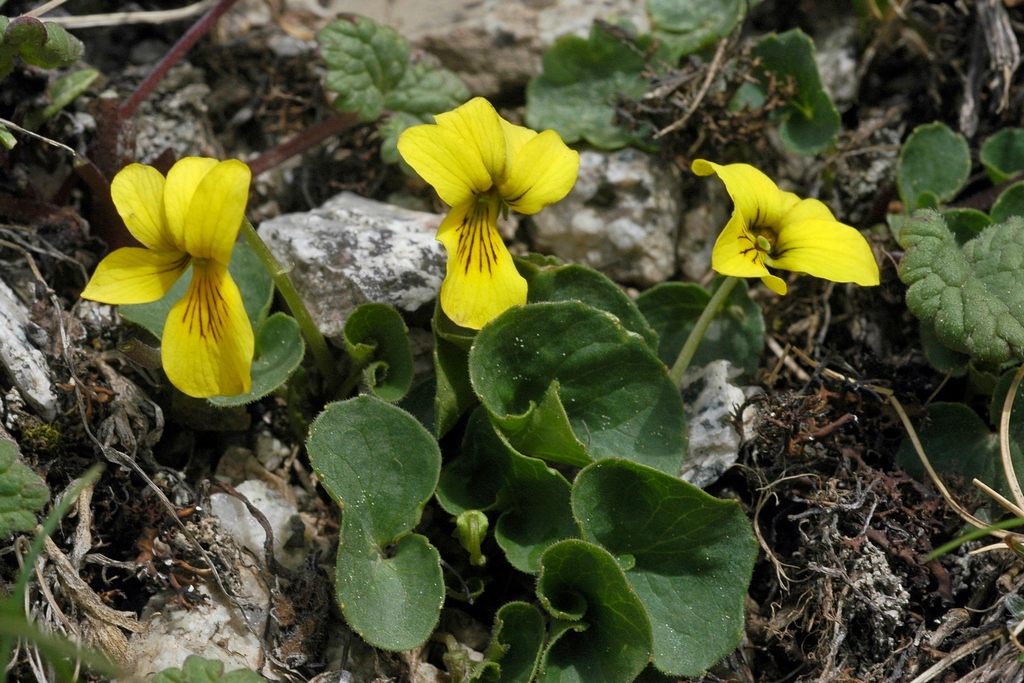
x=1004, y=438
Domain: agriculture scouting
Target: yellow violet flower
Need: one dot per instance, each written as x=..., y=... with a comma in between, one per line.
x=189, y=218
x=770, y=227
x=480, y=165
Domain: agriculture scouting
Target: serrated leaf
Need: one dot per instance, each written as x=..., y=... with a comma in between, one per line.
x=810, y=122
x=514, y=652
x=686, y=26
x=279, y=352
x=933, y=159
x=22, y=491
x=1002, y=155
x=580, y=283
x=566, y=382
x=689, y=557
x=575, y=95
x=40, y=43
x=736, y=334
x=601, y=633
x=381, y=466
x=973, y=297
x=532, y=499
x=196, y=669
x=940, y=356
x=365, y=60
x=1009, y=204
x=377, y=339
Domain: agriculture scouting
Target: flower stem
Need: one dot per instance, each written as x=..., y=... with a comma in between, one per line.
x=317, y=344
x=697, y=334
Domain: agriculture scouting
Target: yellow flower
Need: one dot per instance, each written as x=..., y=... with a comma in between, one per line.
x=480, y=165
x=190, y=218
x=770, y=227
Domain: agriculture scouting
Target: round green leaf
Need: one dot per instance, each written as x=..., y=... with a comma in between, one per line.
x=579, y=283
x=965, y=224
x=736, y=334
x=376, y=337
x=692, y=556
x=514, y=652
x=602, y=634
x=566, y=382
x=1002, y=155
x=279, y=351
x=933, y=159
x=381, y=466
x=1009, y=204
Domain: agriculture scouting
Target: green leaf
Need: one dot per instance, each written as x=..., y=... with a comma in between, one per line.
x=451, y=366
x=22, y=492
x=692, y=556
x=810, y=122
x=7, y=138
x=966, y=224
x=1010, y=203
x=376, y=337
x=533, y=499
x=199, y=670
x=40, y=43
x=279, y=352
x=575, y=95
x=364, y=61
x=933, y=159
x=686, y=26
x=602, y=634
x=514, y=652
x=974, y=297
x=381, y=466
x=246, y=269
x=1002, y=155
x=736, y=334
x=579, y=283
x=566, y=382
x=959, y=445
x=62, y=93
x=940, y=356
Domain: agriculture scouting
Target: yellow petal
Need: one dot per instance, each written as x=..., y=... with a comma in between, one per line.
x=482, y=281
x=805, y=210
x=516, y=138
x=444, y=160
x=776, y=284
x=216, y=211
x=133, y=275
x=825, y=249
x=208, y=343
x=758, y=200
x=734, y=253
x=138, y=194
x=182, y=181
x=479, y=126
x=544, y=172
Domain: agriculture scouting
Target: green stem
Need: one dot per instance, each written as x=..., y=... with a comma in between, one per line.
x=317, y=344
x=697, y=334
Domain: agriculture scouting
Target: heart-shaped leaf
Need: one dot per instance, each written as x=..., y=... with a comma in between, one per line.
x=377, y=339
x=688, y=556
x=601, y=633
x=974, y=297
x=566, y=382
x=381, y=466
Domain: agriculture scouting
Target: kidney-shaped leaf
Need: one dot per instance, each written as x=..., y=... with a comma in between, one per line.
x=691, y=554
x=381, y=466
x=601, y=634
x=566, y=382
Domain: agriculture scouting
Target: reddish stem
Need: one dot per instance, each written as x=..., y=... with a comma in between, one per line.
x=183, y=45
x=305, y=140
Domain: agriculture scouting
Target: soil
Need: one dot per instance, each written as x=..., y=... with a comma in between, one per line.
x=840, y=591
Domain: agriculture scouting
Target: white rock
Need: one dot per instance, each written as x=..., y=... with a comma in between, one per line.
x=713, y=440
x=25, y=364
x=621, y=217
x=352, y=250
x=289, y=542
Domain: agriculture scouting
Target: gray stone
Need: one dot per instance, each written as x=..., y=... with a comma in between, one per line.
x=353, y=250
x=175, y=117
x=25, y=364
x=700, y=227
x=621, y=217
x=836, y=55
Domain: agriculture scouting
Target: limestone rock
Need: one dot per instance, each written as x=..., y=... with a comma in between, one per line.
x=25, y=364
x=175, y=117
x=352, y=250
x=290, y=547
x=621, y=217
